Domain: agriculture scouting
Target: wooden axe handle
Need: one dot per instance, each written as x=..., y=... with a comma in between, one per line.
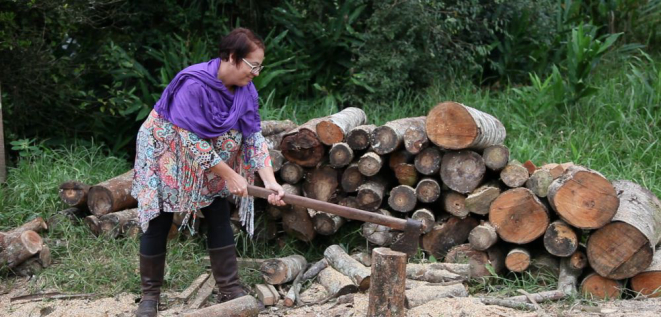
x=346, y=212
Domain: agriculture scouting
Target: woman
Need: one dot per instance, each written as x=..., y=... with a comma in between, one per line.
x=201, y=143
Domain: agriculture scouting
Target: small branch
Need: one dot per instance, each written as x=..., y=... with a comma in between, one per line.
x=36, y=297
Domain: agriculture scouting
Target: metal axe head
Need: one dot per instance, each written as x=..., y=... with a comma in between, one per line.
x=408, y=242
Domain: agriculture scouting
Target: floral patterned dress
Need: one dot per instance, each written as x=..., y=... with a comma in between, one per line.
x=172, y=169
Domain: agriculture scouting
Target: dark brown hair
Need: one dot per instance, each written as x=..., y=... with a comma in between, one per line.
x=239, y=42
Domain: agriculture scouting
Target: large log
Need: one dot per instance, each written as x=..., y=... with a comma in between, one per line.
x=428, y=162
x=18, y=246
x=352, y=178
x=496, y=157
x=378, y=234
x=291, y=173
x=519, y=216
x=479, y=201
x=428, y=190
x=321, y=183
x=415, y=138
x=244, y=306
x=370, y=164
x=518, y=260
x=359, y=137
x=336, y=283
x=270, y=127
x=370, y=194
x=388, y=276
x=112, y=195
x=282, y=270
x=452, y=125
x=462, y=171
x=648, y=282
x=599, y=287
x=390, y=136
x=345, y=264
x=74, y=193
x=625, y=247
x=424, y=294
x=483, y=237
x=454, y=203
x=481, y=263
x=111, y=224
x=583, y=198
x=334, y=129
x=560, y=239
x=406, y=174
x=340, y=155
x=302, y=146
x=446, y=235
x=37, y=225
x=402, y=198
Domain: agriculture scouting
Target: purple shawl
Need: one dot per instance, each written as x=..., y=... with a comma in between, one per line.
x=196, y=100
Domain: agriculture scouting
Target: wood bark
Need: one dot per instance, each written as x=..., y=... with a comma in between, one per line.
x=340, y=155
x=277, y=159
x=479, y=261
x=378, y=234
x=496, y=157
x=359, y=137
x=321, y=183
x=428, y=190
x=406, y=174
x=37, y=225
x=454, y=203
x=111, y=224
x=336, y=283
x=270, y=127
x=625, y=247
x=273, y=141
x=479, y=201
x=388, y=280
x=363, y=257
x=18, y=246
x=539, y=182
x=370, y=164
x=302, y=146
x=282, y=270
x=462, y=171
x=514, y=175
x=598, y=287
x=402, y=198
x=370, y=194
x=415, y=139
x=518, y=260
x=426, y=217
x=326, y=224
x=345, y=264
x=583, y=198
x=352, y=178
x=519, y=216
x=390, y=136
x=335, y=128
x=315, y=269
x=74, y=193
x=483, y=237
x=428, y=161
x=424, y=294
x=560, y=239
x=34, y=264
x=244, y=306
x=435, y=273
x=452, y=125
x=111, y=195
x=648, y=282
x=291, y=173
x=446, y=235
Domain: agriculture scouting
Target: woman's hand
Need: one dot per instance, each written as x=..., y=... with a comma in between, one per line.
x=275, y=199
x=237, y=185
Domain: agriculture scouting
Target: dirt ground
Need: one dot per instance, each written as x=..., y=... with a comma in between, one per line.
x=123, y=305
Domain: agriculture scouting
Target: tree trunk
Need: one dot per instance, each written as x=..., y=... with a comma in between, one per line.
x=560, y=239
x=446, y=235
x=111, y=224
x=625, y=247
x=428, y=190
x=370, y=194
x=424, y=294
x=352, y=178
x=426, y=217
x=336, y=283
x=302, y=146
x=18, y=246
x=282, y=270
x=519, y=216
x=518, y=260
x=291, y=173
x=514, y=175
x=583, y=198
x=321, y=183
x=277, y=159
x=378, y=234
x=479, y=261
x=462, y=171
x=388, y=279
x=244, y=306
x=340, y=155
x=428, y=162
x=597, y=287
x=273, y=141
x=648, y=282
x=359, y=137
x=479, y=201
x=37, y=225
x=406, y=174
x=270, y=127
x=454, y=204
x=483, y=237
x=402, y=198
x=326, y=224
x=112, y=195
x=451, y=125
x=496, y=157
x=74, y=193
x=345, y=264
x=539, y=182
x=390, y=136
x=415, y=139
x=335, y=128
x=370, y=163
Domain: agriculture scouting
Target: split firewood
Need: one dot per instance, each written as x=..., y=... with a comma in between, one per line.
x=111, y=195
x=426, y=217
x=446, y=235
x=454, y=203
x=302, y=146
x=244, y=306
x=483, y=237
x=424, y=294
x=111, y=224
x=321, y=183
x=462, y=171
x=324, y=223
x=359, y=137
x=390, y=136
x=518, y=260
x=428, y=190
x=270, y=127
x=388, y=276
x=18, y=246
x=277, y=159
x=560, y=239
x=345, y=264
x=583, y=198
x=334, y=129
x=625, y=247
x=363, y=257
x=452, y=125
x=406, y=174
x=378, y=234
x=282, y=270
x=340, y=155
x=539, y=182
x=336, y=283
x=428, y=161
x=496, y=157
x=37, y=225
x=514, y=175
x=370, y=164
x=402, y=198
x=74, y=193
x=479, y=201
x=186, y=294
x=479, y=262
x=598, y=287
x=415, y=139
x=433, y=273
x=291, y=173
x=517, y=207
x=267, y=294
x=352, y=178
x=371, y=193
x=648, y=282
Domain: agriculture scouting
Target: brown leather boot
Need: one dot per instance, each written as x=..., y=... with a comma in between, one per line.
x=152, y=268
x=226, y=272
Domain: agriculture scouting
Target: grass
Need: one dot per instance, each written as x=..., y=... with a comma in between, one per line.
x=614, y=131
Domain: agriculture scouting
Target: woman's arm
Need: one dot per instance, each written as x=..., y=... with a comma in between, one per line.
x=236, y=184
x=268, y=177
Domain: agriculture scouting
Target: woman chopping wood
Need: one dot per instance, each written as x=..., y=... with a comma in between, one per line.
x=200, y=144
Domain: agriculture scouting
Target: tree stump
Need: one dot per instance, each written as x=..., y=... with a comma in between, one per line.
x=359, y=137
x=539, y=182
x=297, y=222
x=388, y=279
x=519, y=216
x=415, y=138
x=390, y=136
x=335, y=128
x=454, y=126
x=370, y=194
x=345, y=264
x=462, y=171
x=321, y=183
x=378, y=234
x=324, y=223
x=648, y=282
x=426, y=217
x=112, y=195
x=428, y=162
x=514, y=175
x=406, y=174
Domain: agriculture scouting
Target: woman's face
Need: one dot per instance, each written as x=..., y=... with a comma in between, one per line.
x=244, y=72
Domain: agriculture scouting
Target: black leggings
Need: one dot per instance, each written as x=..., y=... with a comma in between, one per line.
x=219, y=232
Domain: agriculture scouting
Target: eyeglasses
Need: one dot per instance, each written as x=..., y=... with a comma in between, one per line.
x=254, y=69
